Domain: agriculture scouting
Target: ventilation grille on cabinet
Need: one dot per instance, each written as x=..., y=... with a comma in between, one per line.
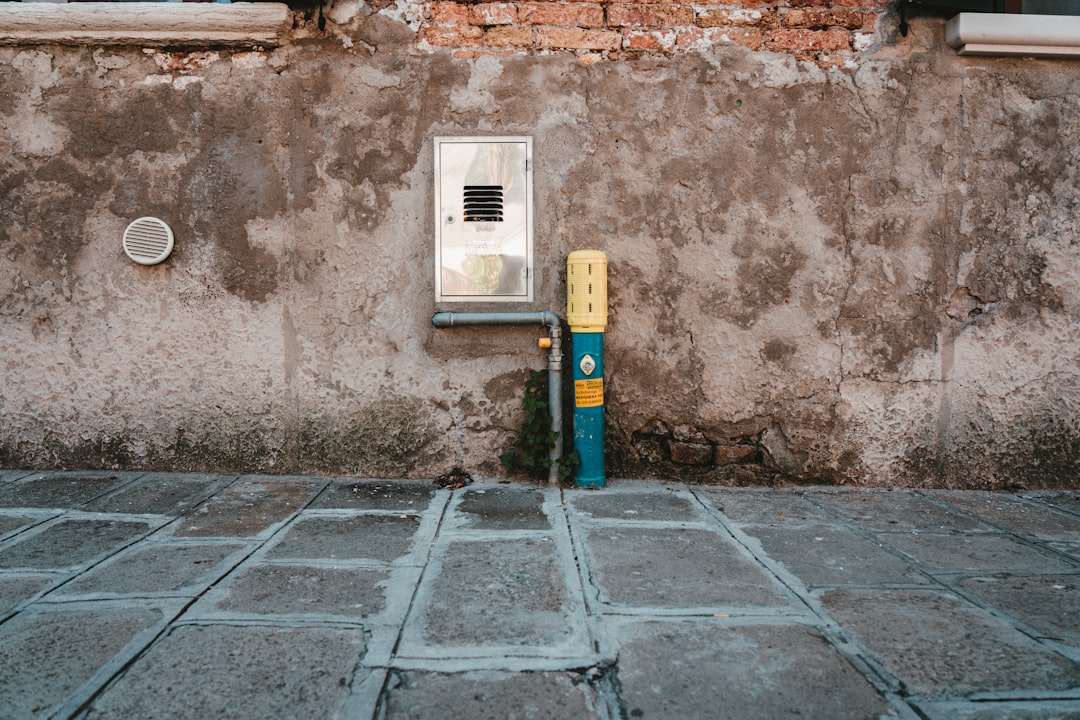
x=483, y=203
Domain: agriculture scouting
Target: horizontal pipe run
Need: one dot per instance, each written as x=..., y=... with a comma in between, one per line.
x=554, y=325
x=452, y=319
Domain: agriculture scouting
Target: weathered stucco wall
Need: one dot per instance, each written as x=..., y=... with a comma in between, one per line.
x=836, y=274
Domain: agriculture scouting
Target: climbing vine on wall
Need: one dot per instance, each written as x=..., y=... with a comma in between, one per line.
x=532, y=447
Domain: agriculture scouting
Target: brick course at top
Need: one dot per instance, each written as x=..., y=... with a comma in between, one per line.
x=829, y=32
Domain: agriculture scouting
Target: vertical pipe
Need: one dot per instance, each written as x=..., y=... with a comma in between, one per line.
x=588, y=367
x=555, y=401
x=554, y=326
x=586, y=312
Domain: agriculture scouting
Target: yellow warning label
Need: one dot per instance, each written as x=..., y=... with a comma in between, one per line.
x=589, y=393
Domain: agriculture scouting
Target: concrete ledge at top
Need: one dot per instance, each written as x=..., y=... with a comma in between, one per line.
x=1056, y=36
x=150, y=24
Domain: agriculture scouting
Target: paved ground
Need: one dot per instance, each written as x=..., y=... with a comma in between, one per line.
x=126, y=595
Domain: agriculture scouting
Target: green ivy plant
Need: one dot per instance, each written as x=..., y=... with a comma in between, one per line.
x=532, y=448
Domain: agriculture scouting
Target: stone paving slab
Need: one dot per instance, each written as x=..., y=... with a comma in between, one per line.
x=46, y=657
x=172, y=568
x=897, y=511
x=825, y=555
x=247, y=507
x=1024, y=517
x=216, y=596
x=488, y=695
x=1050, y=604
x=975, y=553
x=374, y=537
x=750, y=672
x=402, y=495
x=504, y=593
x=503, y=508
x=780, y=507
x=221, y=671
x=158, y=494
x=674, y=568
x=285, y=589
x=936, y=643
x=69, y=543
x=61, y=490
x=665, y=506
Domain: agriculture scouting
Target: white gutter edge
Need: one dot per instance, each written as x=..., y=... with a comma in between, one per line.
x=1055, y=36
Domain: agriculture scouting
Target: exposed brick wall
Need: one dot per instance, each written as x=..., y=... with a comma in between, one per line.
x=829, y=32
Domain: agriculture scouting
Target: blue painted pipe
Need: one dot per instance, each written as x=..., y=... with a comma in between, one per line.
x=588, y=364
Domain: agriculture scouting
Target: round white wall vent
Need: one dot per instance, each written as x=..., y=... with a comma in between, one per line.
x=148, y=241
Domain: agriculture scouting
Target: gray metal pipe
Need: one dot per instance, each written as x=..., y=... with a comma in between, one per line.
x=452, y=319
x=554, y=325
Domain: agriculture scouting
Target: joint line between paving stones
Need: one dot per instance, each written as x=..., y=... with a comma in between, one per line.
x=81, y=570
x=177, y=618
x=1040, y=502
x=390, y=668
x=856, y=655
x=94, y=693
x=871, y=536
x=1034, y=634
x=588, y=587
x=16, y=477
x=166, y=628
x=582, y=587
x=111, y=490
x=1040, y=543
x=788, y=580
x=949, y=580
x=605, y=680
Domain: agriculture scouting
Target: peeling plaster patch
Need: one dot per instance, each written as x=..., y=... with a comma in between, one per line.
x=485, y=70
x=184, y=62
x=1062, y=270
x=36, y=66
x=250, y=60
x=666, y=39
x=182, y=82
x=781, y=71
x=177, y=83
x=343, y=12
x=409, y=12
x=743, y=16
x=572, y=110
x=270, y=235
x=34, y=133
x=278, y=61
x=106, y=62
x=873, y=80
x=372, y=77
x=861, y=41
